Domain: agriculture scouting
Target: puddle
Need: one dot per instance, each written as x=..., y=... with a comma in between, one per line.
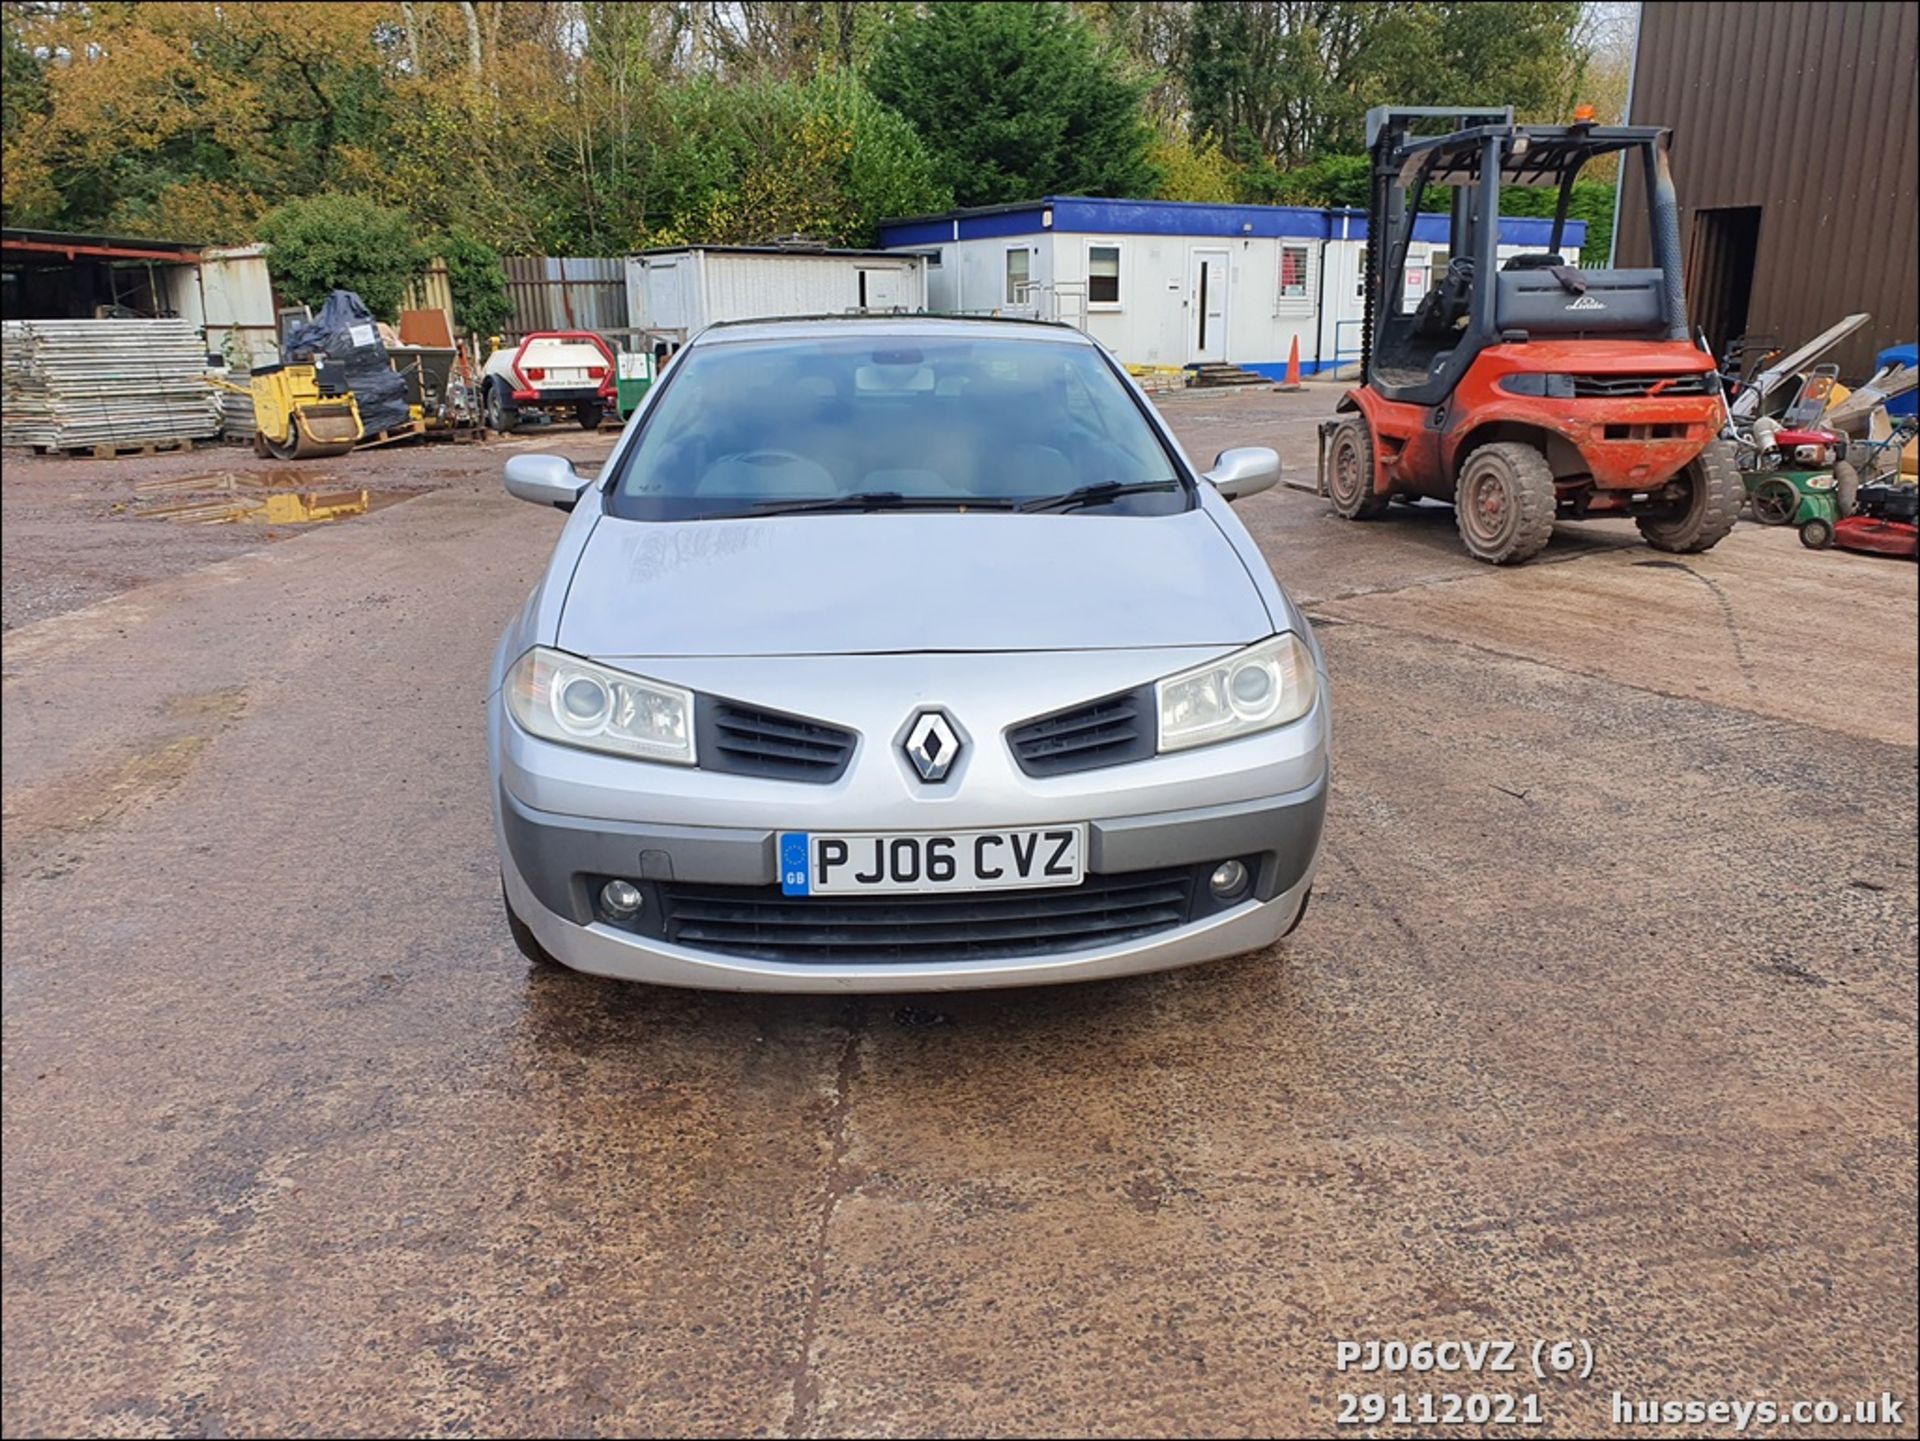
x=251, y=499
x=307, y=507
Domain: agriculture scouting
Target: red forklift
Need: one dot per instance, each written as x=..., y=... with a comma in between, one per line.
x=1527, y=389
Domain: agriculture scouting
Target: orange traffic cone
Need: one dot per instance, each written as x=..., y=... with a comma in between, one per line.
x=1292, y=382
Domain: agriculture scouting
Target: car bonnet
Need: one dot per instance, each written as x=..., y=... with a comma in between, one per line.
x=892, y=583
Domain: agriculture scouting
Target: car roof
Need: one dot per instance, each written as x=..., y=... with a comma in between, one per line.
x=829, y=327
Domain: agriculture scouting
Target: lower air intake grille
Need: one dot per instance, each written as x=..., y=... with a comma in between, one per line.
x=1105, y=732
x=760, y=922
x=747, y=741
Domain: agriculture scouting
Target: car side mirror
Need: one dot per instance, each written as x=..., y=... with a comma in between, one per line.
x=1244, y=471
x=545, y=480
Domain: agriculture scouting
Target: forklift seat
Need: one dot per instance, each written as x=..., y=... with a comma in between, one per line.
x=1536, y=260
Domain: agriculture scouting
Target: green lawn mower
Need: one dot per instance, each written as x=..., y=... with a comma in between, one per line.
x=1809, y=500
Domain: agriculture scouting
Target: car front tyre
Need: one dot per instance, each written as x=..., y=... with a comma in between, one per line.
x=523, y=937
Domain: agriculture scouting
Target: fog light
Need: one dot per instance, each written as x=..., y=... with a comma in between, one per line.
x=620, y=899
x=1229, y=878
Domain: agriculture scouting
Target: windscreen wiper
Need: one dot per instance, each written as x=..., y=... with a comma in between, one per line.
x=1098, y=494
x=874, y=500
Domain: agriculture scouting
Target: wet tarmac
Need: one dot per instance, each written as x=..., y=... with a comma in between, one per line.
x=1601, y=1028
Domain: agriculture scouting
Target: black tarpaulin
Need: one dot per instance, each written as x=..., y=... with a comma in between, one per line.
x=346, y=333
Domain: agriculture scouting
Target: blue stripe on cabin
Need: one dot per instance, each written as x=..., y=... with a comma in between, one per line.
x=1084, y=215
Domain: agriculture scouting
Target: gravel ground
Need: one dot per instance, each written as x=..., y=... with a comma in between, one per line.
x=1602, y=1026
x=71, y=531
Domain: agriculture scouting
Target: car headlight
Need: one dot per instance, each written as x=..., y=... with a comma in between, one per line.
x=560, y=697
x=1263, y=686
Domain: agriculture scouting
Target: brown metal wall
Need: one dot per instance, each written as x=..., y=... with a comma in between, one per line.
x=573, y=292
x=1807, y=110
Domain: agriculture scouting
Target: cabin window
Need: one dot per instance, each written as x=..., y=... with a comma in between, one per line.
x=1019, y=273
x=1294, y=261
x=1103, y=276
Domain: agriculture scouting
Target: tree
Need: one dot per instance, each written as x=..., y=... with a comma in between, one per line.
x=757, y=162
x=1016, y=100
x=342, y=242
x=477, y=280
x=1153, y=35
x=1285, y=81
x=1195, y=172
x=786, y=39
x=135, y=99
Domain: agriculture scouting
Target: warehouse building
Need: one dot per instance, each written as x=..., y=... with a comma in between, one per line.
x=1794, y=160
x=1166, y=283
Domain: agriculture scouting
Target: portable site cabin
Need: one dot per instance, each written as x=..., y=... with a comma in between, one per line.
x=1172, y=283
x=682, y=290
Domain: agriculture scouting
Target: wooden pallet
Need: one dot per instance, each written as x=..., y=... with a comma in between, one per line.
x=389, y=437
x=109, y=449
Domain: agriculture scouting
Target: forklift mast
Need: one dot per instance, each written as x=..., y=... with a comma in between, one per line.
x=1475, y=151
x=1388, y=232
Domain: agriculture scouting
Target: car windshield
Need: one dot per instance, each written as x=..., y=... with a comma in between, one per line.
x=888, y=422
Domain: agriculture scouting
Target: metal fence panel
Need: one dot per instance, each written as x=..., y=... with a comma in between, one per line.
x=432, y=291
x=565, y=292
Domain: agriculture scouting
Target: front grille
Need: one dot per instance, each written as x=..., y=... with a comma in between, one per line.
x=1614, y=387
x=1105, y=732
x=761, y=923
x=746, y=740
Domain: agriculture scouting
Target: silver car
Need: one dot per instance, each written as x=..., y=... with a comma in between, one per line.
x=902, y=654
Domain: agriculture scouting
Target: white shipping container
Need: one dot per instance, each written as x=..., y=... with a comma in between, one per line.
x=687, y=290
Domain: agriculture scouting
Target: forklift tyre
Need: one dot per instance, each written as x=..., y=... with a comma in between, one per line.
x=501, y=413
x=1715, y=495
x=589, y=413
x=1816, y=534
x=1350, y=472
x=1504, y=503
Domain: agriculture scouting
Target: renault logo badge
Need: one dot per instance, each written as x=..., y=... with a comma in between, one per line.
x=932, y=745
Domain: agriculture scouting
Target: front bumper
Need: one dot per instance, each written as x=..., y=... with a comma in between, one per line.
x=569, y=820
x=554, y=865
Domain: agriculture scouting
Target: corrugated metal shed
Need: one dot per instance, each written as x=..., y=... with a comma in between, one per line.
x=231, y=296
x=1805, y=114
x=565, y=292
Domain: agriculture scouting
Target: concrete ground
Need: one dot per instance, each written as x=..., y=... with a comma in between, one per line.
x=1601, y=1027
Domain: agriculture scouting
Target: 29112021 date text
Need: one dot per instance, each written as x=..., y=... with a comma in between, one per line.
x=1440, y=1408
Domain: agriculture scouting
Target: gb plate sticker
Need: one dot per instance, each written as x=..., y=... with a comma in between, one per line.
x=793, y=864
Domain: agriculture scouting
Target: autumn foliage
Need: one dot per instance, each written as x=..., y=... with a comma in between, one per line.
x=585, y=127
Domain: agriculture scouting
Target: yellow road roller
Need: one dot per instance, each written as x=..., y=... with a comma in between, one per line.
x=297, y=415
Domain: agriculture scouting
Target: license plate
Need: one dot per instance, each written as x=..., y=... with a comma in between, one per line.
x=915, y=862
